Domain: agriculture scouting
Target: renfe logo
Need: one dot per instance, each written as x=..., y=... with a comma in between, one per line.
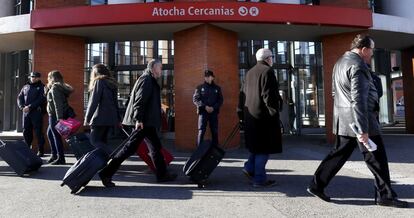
x=194, y=11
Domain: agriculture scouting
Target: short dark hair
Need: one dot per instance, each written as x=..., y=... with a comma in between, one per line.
x=361, y=41
x=208, y=73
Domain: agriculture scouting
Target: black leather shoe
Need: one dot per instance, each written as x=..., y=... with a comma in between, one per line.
x=267, y=184
x=392, y=202
x=107, y=182
x=318, y=194
x=52, y=158
x=59, y=161
x=167, y=177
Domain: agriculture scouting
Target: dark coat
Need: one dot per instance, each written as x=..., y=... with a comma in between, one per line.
x=355, y=97
x=32, y=95
x=261, y=101
x=103, y=104
x=145, y=103
x=57, y=100
x=208, y=95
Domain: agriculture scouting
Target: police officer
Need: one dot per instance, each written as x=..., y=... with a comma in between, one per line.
x=31, y=101
x=208, y=99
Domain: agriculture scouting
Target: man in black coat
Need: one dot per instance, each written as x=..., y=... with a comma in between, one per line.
x=260, y=103
x=355, y=102
x=208, y=100
x=144, y=113
x=31, y=100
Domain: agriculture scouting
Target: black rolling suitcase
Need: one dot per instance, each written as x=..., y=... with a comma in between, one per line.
x=84, y=169
x=205, y=159
x=80, y=144
x=19, y=157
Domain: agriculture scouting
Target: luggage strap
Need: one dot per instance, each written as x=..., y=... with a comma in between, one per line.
x=232, y=134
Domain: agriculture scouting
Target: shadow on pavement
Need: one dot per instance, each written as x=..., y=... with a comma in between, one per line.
x=146, y=192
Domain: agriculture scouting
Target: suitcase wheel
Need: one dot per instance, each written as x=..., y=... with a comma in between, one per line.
x=61, y=185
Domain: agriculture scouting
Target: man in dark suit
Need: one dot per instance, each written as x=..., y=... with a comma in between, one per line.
x=355, y=102
x=143, y=112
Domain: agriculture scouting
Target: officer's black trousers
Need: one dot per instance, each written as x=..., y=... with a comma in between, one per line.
x=376, y=161
x=33, y=122
x=212, y=119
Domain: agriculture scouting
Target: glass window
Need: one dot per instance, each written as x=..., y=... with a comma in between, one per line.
x=22, y=6
x=98, y=2
x=282, y=52
x=165, y=51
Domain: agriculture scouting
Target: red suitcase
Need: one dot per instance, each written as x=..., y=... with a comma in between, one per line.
x=143, y=151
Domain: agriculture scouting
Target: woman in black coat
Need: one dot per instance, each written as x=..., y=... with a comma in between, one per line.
x=260, y=105
x=102, y=112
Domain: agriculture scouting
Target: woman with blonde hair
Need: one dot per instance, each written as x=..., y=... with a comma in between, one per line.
x=102, y=112
x=57, y=93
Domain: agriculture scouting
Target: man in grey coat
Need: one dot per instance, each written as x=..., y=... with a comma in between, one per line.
x=355, y=100
x=144, y=113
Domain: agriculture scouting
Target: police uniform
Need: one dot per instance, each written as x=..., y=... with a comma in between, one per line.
x=208, y=95
x=32, y=95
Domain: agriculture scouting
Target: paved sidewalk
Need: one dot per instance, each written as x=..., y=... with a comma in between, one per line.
x=228, y=193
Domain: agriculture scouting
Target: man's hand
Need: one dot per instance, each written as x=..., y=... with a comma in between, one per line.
x=139, y=125
x=363, y=138
x=26, y=109
x=209, y=109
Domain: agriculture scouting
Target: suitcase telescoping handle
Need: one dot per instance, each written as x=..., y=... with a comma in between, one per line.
x=126, y=132
x=232, y=134
x=121, y=145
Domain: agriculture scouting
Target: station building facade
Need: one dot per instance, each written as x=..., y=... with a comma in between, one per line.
x=307, y=37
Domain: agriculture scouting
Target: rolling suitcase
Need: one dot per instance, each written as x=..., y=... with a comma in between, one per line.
x=19, y=157
x=84, y=169
x=143, y=153
x=80, y=144
x=205, y=159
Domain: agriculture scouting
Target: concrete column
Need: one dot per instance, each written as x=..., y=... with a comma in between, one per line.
x=407, y=67
x=196, y=49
